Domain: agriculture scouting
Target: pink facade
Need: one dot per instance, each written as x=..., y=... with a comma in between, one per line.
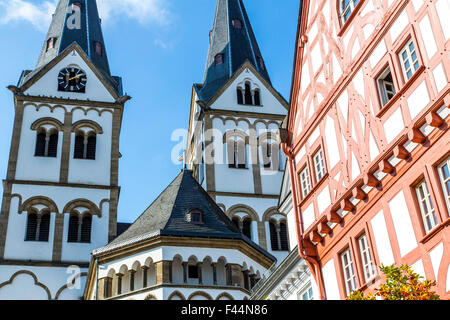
x=369, y=142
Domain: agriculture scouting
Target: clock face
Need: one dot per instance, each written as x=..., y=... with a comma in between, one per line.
x=72, y=79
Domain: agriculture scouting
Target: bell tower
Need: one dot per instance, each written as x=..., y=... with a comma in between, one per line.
x=233, y=145
x=61, y=189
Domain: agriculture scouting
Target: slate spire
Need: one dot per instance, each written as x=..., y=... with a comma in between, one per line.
x=83, y=26
x=232, y=42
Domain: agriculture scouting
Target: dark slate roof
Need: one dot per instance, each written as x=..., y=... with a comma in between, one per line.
x=166, y=216
x=122, y=227
x=90, y=31
x=237, y=46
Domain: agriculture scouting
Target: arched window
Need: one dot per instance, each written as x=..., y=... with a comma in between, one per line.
x=248, y=94
x=247, y=228
x=38, y=227
x=346, y=8
x=274, y=236
x=236, y=153
x=257, y=98
x=46, y=143
x=80, y=228
x=240, y=96
x=85, y=146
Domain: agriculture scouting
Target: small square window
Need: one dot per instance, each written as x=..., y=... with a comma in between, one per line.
x=386, y=88
x=409, y=60
x=237, y=24
x=218, y=59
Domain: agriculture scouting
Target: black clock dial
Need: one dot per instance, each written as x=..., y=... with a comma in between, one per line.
x=72, y=79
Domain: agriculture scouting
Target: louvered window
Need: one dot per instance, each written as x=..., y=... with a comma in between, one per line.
x=79, y=147
x=73, y=229
x=246, y=228
x=91, y=147
x=53, y=145
x=284, y=237
x=40, y=145
x=274, y=237
x=31, y=227
x=236, y=152
x=86, y=226
x=44, y=227
x=246, y=280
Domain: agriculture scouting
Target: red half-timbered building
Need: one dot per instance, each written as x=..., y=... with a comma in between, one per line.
x=368, y=143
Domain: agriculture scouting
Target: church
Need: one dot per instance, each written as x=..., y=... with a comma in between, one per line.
x=212, y=234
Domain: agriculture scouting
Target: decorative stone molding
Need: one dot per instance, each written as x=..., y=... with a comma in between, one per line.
x=84, y=203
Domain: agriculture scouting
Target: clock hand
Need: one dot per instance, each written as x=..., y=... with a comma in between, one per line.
x=75, y=77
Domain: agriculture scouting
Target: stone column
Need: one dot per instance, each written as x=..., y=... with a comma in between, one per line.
x=185, y=272
x=104, y=288
x=200, y=276
x=162, y=272
x=132, y=278
x=237, y=278
x=144, y=276
x=214, y=265
x=58, y=237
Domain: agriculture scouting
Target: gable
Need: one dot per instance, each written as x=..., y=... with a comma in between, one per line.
x=271, y=101
x=47, y=84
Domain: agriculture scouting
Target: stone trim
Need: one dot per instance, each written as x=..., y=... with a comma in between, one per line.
x=244, y=195
x=113, y=203
x=178, y=294
x=150, y=297
x=15, y=140
x=232, y=244
x=72, y=205
x=61, y=102
x=200, y=293
x=58, y=238
x=36, y=282
x=65, y=153
x=39, y=200
x=243, y=208
x=87, y=123
x=67, y=185
x=224, y=295
x=43, y=121
x=66, y=286
x=209, y=144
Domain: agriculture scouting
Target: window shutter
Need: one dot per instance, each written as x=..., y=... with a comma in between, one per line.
x=44, y=227
x=284, y=237
x=91, y=146
x=40, y=145
x=31, y=227
x=86, y=229
x=53, y=145
x=230, y=152
x=73, y=229
x=79, y=147
x=241, y=153
x=273, y=237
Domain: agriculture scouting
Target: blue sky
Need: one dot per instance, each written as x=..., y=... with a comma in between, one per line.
x=159, y=48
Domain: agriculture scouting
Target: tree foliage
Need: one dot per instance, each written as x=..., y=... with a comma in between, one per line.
x=401, y=284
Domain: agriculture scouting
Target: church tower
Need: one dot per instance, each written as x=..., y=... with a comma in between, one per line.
x=233, y=145
x=61, y=189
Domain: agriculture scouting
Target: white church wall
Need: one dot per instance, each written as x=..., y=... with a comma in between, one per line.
x=16, y=246
x=48, y=84
x=41, y=283
x=27, y=162
x=96, y=171
x=228, y=99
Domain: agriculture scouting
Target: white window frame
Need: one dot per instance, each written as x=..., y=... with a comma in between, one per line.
x=319, y=165
x=366, y=257
x=349, y=7
x=444, y=180
x=426, y=206
x=409, y=59
x=383, y=87
x=305, y=182
x=348, y=270
x=308, y=291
